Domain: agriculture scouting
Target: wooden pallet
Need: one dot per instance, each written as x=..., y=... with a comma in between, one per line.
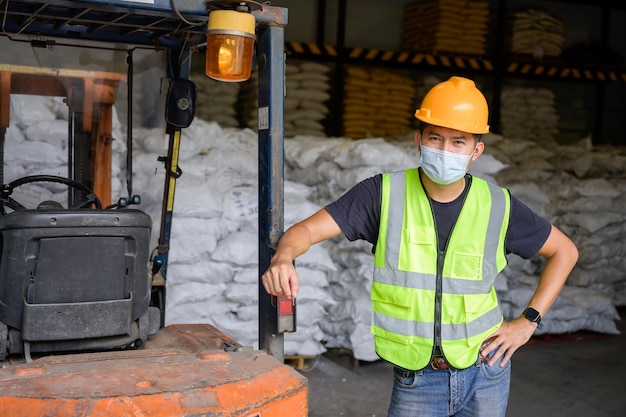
x=300, y=362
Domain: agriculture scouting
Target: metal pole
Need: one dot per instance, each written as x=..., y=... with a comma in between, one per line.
x=271, y=78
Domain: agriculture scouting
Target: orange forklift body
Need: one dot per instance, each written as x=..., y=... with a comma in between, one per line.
x=184, y=370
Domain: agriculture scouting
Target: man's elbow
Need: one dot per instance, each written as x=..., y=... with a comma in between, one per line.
x=573, y=252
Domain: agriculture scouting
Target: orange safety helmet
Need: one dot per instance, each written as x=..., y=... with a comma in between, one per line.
x=456, y=104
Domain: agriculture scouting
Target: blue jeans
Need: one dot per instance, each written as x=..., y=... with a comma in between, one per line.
x=478, y=391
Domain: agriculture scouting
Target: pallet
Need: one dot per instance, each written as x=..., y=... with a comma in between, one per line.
x=300, y=362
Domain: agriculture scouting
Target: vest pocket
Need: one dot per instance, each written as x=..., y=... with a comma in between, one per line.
x=474, y=305
x=390, y=336
x=482, y=316
x=393, y=313
x=392, y=300
x=467, y=266
x=420, y=235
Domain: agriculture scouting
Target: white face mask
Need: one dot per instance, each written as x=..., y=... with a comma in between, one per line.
x=443, y=167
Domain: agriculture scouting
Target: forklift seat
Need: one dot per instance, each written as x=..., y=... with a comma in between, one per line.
x=75, y=280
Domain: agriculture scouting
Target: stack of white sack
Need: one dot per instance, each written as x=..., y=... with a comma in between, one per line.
x=212, y=274
x=36, y=144
x=307, y=91
x=518, y=102
x=580, y=190
x=218, y=101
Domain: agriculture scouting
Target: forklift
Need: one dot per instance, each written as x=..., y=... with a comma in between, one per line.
x=82, y=290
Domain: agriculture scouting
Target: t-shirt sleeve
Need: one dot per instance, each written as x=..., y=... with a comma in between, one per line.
x=527, y=230
x=357, y=212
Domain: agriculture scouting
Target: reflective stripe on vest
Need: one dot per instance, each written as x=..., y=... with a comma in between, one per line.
x=405, y=273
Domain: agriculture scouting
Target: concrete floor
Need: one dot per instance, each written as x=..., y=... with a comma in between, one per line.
x=575, y=375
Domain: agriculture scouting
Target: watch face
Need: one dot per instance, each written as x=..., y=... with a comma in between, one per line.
x=532, y=314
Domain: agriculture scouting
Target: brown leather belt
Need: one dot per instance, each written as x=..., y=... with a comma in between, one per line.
x=438, y=362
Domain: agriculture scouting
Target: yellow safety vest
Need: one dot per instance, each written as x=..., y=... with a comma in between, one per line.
x=420, y=295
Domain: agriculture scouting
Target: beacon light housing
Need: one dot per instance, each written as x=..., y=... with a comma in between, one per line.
x=230, y=45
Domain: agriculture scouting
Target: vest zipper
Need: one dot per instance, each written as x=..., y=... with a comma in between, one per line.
x=438, y=291
x=437, y=348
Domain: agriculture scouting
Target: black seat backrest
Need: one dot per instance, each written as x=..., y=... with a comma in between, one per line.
x=74, y=274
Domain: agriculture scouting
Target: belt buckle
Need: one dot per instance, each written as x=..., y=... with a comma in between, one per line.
x=438, y=362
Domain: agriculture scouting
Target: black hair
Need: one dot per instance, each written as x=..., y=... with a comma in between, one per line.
x=421, y=126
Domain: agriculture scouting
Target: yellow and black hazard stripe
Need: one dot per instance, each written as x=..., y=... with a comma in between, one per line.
x=375, y=56
x=310, y=50
x=516, y=67
x=419, y=59
x=565, y=72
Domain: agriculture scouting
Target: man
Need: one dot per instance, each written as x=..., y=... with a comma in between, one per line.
x=440, y=239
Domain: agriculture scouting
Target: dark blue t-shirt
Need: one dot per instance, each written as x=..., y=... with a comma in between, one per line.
x=357, y=213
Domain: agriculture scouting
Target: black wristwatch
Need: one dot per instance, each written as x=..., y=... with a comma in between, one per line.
x=533, y=315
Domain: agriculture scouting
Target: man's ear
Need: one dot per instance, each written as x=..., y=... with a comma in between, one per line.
x=480, y=148
x=417, y=140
